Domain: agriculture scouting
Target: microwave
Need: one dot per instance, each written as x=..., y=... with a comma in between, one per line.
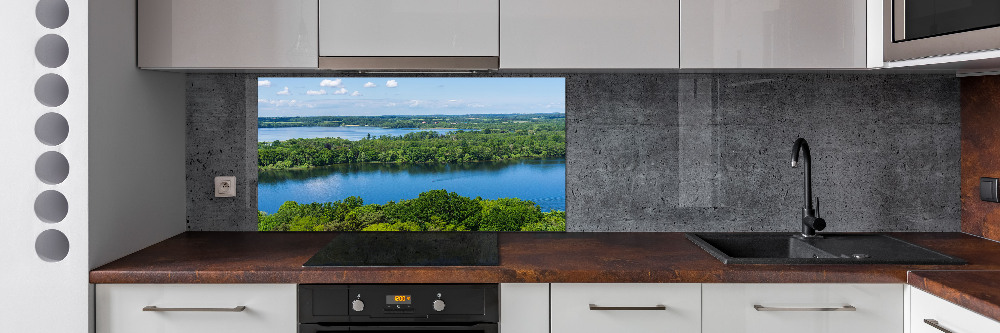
x=915, y=29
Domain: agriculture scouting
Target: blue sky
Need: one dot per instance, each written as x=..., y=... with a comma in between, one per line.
x=375, y=96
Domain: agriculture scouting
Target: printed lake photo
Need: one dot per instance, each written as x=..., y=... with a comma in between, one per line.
x=411, y=154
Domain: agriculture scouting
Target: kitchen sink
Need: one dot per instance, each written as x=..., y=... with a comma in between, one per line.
x=789, y=248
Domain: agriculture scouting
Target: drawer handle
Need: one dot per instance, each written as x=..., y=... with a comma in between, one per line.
x=759, y=307
x=628, y=308
x=935, y=324
x=234, y=309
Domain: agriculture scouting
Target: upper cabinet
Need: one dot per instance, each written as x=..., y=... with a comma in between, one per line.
x=408, y=28
x=777, y=34
x=221, y=34
x=589, y=34
x=409, y=34
x=509, y=34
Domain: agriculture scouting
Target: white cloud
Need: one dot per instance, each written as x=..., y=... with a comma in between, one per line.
x=284, y=92
x=390, y=104
x=475, y=105
x=316, y=92
x=331, y=83
x=264, y=83
x=391, y=84
x=414, y=103
x=341, y=91
x=355, y=93
x=261, y=100
x=369, y=85
x=452, y=100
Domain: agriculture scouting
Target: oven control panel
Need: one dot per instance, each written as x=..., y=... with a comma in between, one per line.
x=398, y=303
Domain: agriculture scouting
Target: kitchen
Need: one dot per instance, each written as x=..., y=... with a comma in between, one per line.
x=686, y=127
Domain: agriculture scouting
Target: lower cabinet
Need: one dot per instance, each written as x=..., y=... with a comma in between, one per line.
x=524, y=307
x=802, y=308
x=930, y=314
x=196, y=308
x=625, y=307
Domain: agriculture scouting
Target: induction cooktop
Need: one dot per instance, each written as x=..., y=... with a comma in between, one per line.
x=399, y=248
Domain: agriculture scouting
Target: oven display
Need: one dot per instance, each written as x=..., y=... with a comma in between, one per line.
x=397, y=299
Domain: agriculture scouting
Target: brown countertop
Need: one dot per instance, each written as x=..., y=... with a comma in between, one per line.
x=258, y=257
x=978, y=291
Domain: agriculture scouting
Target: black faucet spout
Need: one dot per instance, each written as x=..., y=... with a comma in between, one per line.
x=810, y=222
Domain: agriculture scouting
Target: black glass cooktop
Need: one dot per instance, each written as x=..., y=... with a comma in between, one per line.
x=394, y=248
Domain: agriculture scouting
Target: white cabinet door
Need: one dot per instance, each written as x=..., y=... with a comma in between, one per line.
x=409, y=28
x=269, y=308
x=626, y=307
x=524, y=308
x=951, y=317
x=793, y=308
x=589, y=34
x=227, y=34
x=774, y=34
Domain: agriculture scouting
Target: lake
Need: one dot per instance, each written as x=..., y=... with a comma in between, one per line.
x=542, y=181
x=352, y=133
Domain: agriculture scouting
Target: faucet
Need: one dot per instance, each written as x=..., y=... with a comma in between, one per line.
x=810, y=222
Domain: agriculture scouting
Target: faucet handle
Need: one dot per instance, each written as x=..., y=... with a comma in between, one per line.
x=817, y=206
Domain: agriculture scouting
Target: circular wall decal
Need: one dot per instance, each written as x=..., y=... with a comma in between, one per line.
x=51, y=51
x=52, y=245
x=51, y=129
x=51, y=90
x=51, y=206
x=52, y=167
x=52, y=13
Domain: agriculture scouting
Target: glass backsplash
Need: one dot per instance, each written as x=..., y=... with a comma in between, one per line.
x=411, y=154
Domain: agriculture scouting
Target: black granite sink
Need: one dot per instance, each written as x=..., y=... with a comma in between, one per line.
x=786, y=248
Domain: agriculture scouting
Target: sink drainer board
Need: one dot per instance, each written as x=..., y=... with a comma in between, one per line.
x=830, y=249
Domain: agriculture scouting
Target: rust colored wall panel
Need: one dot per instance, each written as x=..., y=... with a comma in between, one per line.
x=980, y=153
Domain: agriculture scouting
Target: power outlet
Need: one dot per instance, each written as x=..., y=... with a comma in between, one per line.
x=225, y=186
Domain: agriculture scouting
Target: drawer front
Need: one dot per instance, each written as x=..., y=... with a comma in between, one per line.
x=949, y=316
x=730, y=308
x=269, y=308
x=572, y=311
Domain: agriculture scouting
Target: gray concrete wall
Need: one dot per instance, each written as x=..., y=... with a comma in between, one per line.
x=683, y=152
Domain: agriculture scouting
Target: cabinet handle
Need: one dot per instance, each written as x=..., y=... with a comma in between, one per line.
x=935, y=324
x=630, y=308
x=234, y=309
x=759, y=307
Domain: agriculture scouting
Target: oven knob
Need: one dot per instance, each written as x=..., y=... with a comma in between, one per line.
x=439, y=305
x=358, y=305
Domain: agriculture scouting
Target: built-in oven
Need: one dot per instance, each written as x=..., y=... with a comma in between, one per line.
x=926, y=28
x=388, y=308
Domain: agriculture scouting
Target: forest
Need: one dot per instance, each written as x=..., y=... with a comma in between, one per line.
x=476, y=138
x=533, y=138
x=435, y=210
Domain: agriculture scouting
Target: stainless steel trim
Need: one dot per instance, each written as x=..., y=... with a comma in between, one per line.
x=759, y=307
x=410, y=63
x=963, y=42
x=628, y=308
x=158, y=309
x=898, y=20
x=934, y=323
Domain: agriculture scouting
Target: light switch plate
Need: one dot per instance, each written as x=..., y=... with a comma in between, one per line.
x=225, y=186
x=988, y=189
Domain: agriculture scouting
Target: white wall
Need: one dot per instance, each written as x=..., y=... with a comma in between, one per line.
x=137, y=185
x=36, y=295
x=125, y=126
